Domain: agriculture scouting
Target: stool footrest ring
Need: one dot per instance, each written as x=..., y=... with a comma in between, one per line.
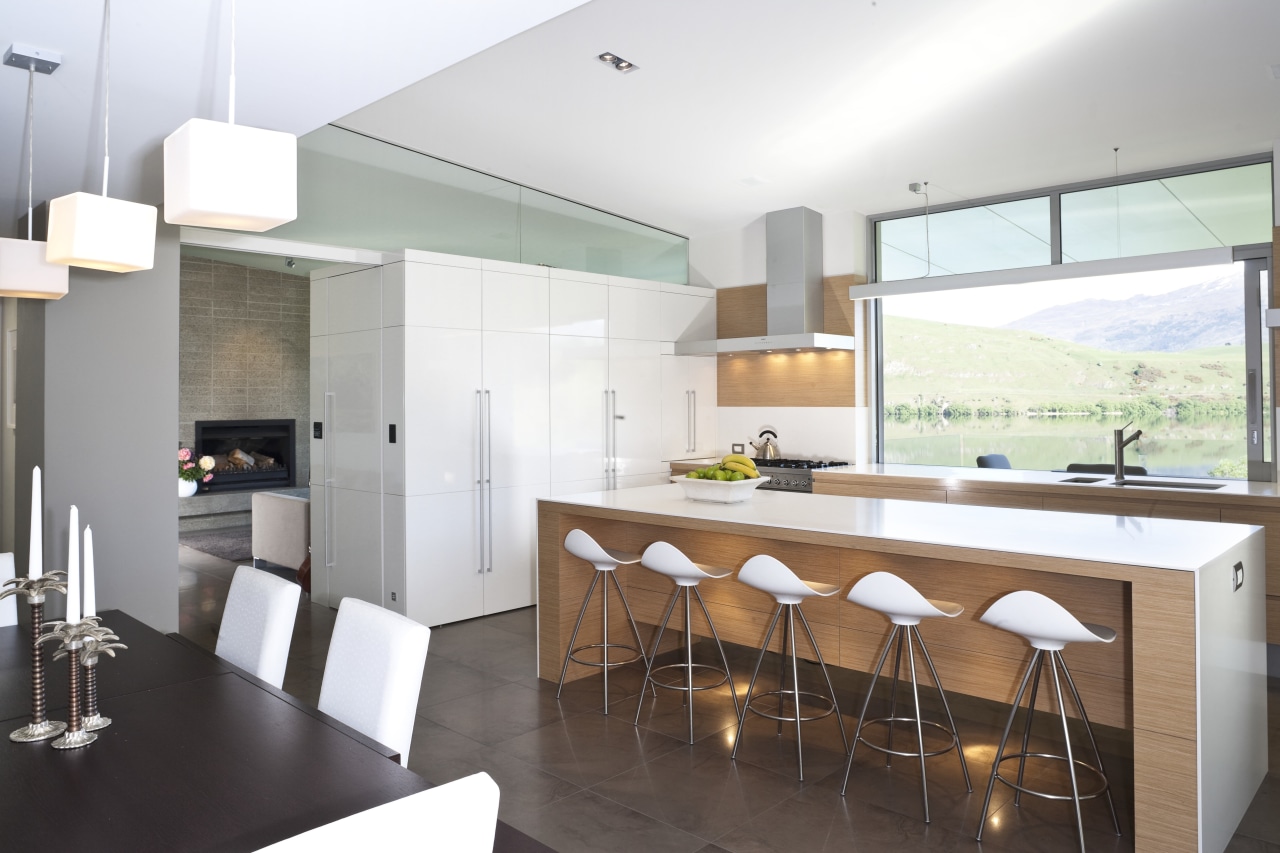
x=791, y=694
x=1084, y=796
x=601, y=663
x=682, y=666
x=912, y=720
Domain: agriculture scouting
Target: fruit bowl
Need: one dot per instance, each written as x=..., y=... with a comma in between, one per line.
x=719, y=491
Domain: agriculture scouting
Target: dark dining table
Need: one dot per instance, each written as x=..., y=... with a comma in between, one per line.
x=200, y=756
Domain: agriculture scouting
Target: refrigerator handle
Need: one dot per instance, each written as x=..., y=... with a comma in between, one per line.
x=479, y=481
x=488, y=474
x=694, y=419
x=330, y=401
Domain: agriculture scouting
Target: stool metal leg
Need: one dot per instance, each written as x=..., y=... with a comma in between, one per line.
x=782, y=666
x=688, y=657
x=657, y=642
x=915, y=695
x=604, y=611
x=723, y=658
x=1026, y=734
x=742, y=717
x=893, y=698
x=795, y=686
x=1004, y=739
x=577, y=625
x=1066, y=736
x=946, y=706
x=830, y=687
x=1088, y=727
x=862, y=715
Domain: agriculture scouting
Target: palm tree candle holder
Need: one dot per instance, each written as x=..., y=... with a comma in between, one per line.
x=34, y=590
x=72, y=636
x=99, y=641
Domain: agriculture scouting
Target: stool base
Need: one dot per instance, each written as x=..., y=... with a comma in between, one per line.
x=689, y=688
x=789, y=652
x=604, y=663
x=1036, y=666
x=908, y=635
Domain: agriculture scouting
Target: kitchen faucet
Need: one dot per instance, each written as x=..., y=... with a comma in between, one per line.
x=1121, y=443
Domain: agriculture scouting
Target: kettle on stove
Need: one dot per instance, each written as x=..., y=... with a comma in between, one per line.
x=767, y=449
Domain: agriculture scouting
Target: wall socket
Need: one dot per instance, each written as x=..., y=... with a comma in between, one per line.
x=1237, y=577
x=393, y=596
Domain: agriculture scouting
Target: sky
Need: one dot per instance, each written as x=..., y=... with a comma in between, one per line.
x=1000, y=304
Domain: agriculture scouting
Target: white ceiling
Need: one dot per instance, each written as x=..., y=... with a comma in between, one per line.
x=738, y=107
x=300, y=64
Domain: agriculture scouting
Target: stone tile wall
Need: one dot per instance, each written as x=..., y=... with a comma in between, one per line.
x=244, y=348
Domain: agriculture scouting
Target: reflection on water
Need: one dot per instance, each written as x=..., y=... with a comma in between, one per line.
x=1169, y=447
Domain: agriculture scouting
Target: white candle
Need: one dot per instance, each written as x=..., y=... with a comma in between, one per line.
x=35, y=566
x=73, y=568
x=90, y=599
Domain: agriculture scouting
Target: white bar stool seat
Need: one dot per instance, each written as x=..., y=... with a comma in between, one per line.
x=605, y=560
x=889, y=594
x=1047, y=626
x=666, y=559
x=770, y=575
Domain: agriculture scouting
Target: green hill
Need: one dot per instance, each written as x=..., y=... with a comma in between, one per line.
x=932, y=367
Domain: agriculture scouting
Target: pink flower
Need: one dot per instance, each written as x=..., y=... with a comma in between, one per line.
x=207, y=477
x=183, y=454
x=187, y=466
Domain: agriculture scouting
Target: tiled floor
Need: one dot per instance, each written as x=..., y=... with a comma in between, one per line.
x=580, y=781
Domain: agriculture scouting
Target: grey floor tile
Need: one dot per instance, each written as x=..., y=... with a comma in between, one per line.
x=589, y=823
x=498, y=714
x=444, y=680
x=589, y=748
x=1262, y=820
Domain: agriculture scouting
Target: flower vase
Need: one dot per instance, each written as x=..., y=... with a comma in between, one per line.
x=187, y=488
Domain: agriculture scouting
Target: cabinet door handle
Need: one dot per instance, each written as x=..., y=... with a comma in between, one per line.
x=330, y=403
x=488, y=473
x=613, y=422
x=694, y=418
x=479, y=484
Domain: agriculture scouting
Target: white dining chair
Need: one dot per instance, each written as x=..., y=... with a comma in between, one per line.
x=460, y=817
x=9, y=606
x=257, y=624
x=374, y=671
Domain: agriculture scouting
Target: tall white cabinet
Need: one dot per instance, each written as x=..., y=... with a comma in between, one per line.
x=453, y=392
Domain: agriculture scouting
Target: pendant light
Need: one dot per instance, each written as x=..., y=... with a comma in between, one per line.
x=97, y=231
x=224, y=175
x=24, y=272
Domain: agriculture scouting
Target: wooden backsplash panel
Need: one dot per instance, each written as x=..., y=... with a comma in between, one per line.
x=826, y=378
x=740, y=312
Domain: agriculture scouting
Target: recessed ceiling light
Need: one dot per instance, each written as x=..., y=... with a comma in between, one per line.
x=616, y=61
x=607, y=57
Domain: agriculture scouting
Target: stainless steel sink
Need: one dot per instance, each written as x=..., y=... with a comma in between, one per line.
x=1160, y=484
x=1082, y=480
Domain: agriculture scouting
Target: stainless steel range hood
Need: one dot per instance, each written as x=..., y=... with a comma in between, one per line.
x=793, y=291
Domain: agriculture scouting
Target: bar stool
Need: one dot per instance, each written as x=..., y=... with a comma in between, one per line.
x=905, y=607
x=666, y=559
x=770, y=575
x=1048, y=627
x=580, y=544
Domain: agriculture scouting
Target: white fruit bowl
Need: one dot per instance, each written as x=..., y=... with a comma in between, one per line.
x=719, y=491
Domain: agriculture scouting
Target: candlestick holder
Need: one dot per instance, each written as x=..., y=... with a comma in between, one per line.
x=72, y=635
x=97, y=641
x=34, y=590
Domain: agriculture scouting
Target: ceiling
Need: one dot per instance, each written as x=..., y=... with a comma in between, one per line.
x=738, y=107
x=300, y=64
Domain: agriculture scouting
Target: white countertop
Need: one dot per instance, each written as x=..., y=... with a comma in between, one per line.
x=1040, y=478
x=1156, y=542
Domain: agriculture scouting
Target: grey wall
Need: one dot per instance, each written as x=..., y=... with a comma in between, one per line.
x=245, y=349
x=97, y=400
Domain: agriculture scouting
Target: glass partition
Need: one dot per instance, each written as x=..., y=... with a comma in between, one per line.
x=973, y=239
x=1225, y=207
x=354, y=190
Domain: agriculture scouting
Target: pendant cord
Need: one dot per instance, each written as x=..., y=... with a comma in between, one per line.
x=231, y=104
x=31, y=145
x=106, y=116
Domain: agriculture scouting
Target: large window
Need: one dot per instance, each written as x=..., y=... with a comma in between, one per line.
x=1044, y=371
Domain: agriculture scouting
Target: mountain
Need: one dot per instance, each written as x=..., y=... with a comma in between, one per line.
x=1202, y=315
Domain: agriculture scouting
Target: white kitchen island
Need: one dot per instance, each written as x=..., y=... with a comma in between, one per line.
x=1186, y=673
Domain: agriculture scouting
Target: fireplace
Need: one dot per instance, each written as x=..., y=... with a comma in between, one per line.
x=247, y=454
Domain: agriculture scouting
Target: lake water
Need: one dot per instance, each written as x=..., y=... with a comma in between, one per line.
x=1168, y=447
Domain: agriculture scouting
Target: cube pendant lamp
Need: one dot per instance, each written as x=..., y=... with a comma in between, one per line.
x=24, y=272
x=101, y=233
x=97, y=231
x=224, y=175
x=220, y=175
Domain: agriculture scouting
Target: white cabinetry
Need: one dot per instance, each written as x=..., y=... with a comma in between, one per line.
x=454, y=392
x=688, y=407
